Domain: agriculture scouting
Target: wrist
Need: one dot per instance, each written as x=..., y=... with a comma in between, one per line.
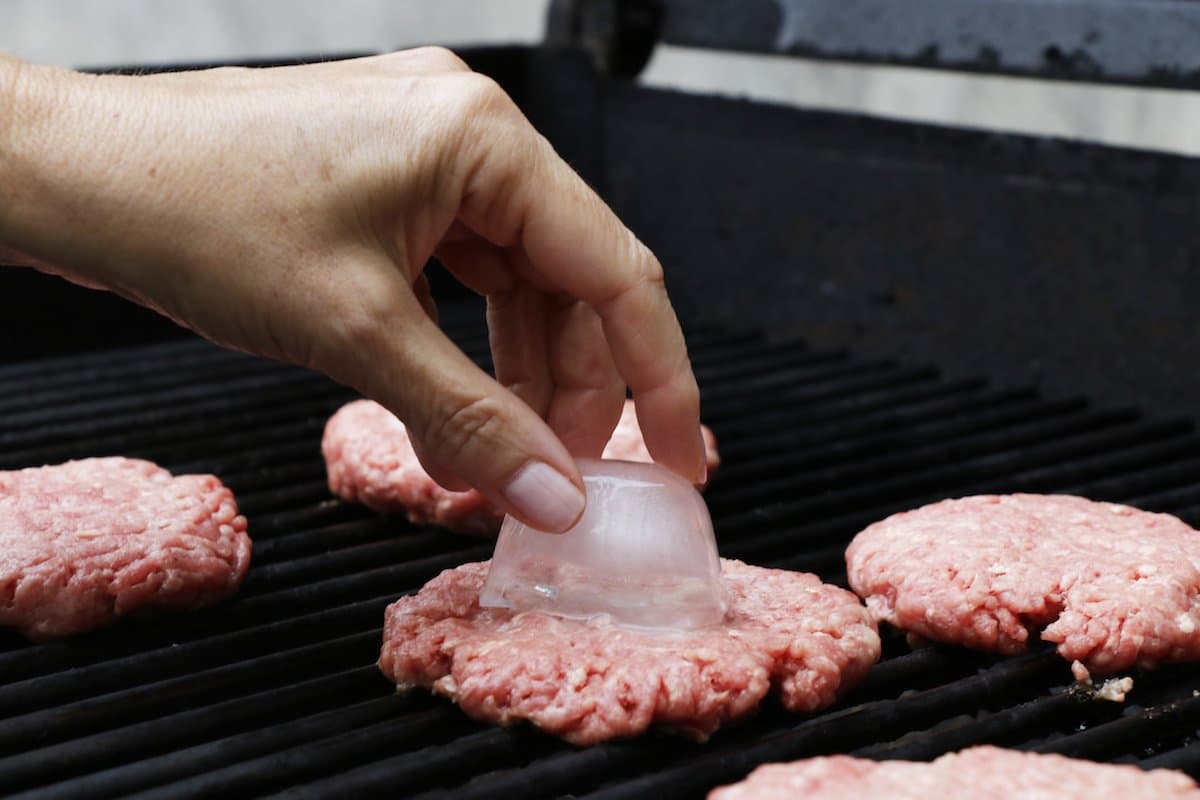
x=58, y=155
x=11, y=70
x=10, y=75
x=26, y=151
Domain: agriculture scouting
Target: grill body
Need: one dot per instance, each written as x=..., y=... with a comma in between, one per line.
x=275, y=690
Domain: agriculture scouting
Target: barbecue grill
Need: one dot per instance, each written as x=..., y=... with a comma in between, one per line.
x=881, y=315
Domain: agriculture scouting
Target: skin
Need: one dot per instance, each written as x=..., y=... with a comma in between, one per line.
x=290, y=212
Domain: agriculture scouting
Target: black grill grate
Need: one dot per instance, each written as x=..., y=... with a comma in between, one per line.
x=276, y=690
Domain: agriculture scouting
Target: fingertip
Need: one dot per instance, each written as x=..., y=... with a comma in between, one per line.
x=669, y=418
x=688, y=459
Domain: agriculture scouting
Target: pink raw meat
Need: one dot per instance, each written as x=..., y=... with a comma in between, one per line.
x=1113, y=586
x=370, y=460
x=980, y=773
x=85, y=542
x=592, y=681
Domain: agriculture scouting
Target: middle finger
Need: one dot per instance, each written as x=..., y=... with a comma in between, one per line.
x=589, y=392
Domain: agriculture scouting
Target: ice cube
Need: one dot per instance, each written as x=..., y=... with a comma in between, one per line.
x=643, y=553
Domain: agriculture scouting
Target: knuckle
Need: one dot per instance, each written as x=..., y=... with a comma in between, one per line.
x=484, y=96
x=649, y=269
x=441, y=58
x=476, y=115
x=632, y=284
x=461, y=426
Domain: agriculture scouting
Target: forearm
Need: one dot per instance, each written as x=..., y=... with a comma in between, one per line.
x=47, y=176
x=72, y=174
x=23, y=173
x=10, y=72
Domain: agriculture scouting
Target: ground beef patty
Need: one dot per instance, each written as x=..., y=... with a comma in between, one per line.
x=589, y=682
x=85, y=542
x=1113, y=586
x=980, y=773
x=370, y=460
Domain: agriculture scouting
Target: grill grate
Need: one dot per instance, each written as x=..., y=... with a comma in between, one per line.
x=276, y=690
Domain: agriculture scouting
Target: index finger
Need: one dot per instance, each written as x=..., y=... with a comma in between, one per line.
x=526, y=195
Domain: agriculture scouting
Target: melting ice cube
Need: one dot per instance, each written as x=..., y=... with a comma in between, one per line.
x=643, y=553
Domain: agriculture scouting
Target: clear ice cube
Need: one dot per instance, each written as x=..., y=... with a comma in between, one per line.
x=643, y=553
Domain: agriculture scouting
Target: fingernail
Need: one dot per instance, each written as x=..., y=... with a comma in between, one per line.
x=547, y=499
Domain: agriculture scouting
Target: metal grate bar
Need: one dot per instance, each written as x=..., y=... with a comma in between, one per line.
x=86, y=430
x=176, y=730
x=348, y=747
x=956, y=416
x=1143, y=731
x=274, y=690
x=831, y=732
x=103, y=713
x=107, y=359
x=240, y=613
x=1185, y=758
x=167, y=372
x=87, y=679
x=850, y=462
x=212, y=757
x=1095, y=433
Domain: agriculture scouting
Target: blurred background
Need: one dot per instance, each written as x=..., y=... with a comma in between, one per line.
x=109, y=32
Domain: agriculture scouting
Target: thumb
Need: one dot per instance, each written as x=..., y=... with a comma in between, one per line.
x=467, y=424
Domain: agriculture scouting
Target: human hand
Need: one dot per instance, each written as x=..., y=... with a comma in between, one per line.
x=290, y=212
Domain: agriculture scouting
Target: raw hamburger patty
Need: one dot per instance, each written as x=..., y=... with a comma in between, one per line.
x=85, y=542
x=370, y=460
x=1112, y=586
x=588, y=682
x=980, y=773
